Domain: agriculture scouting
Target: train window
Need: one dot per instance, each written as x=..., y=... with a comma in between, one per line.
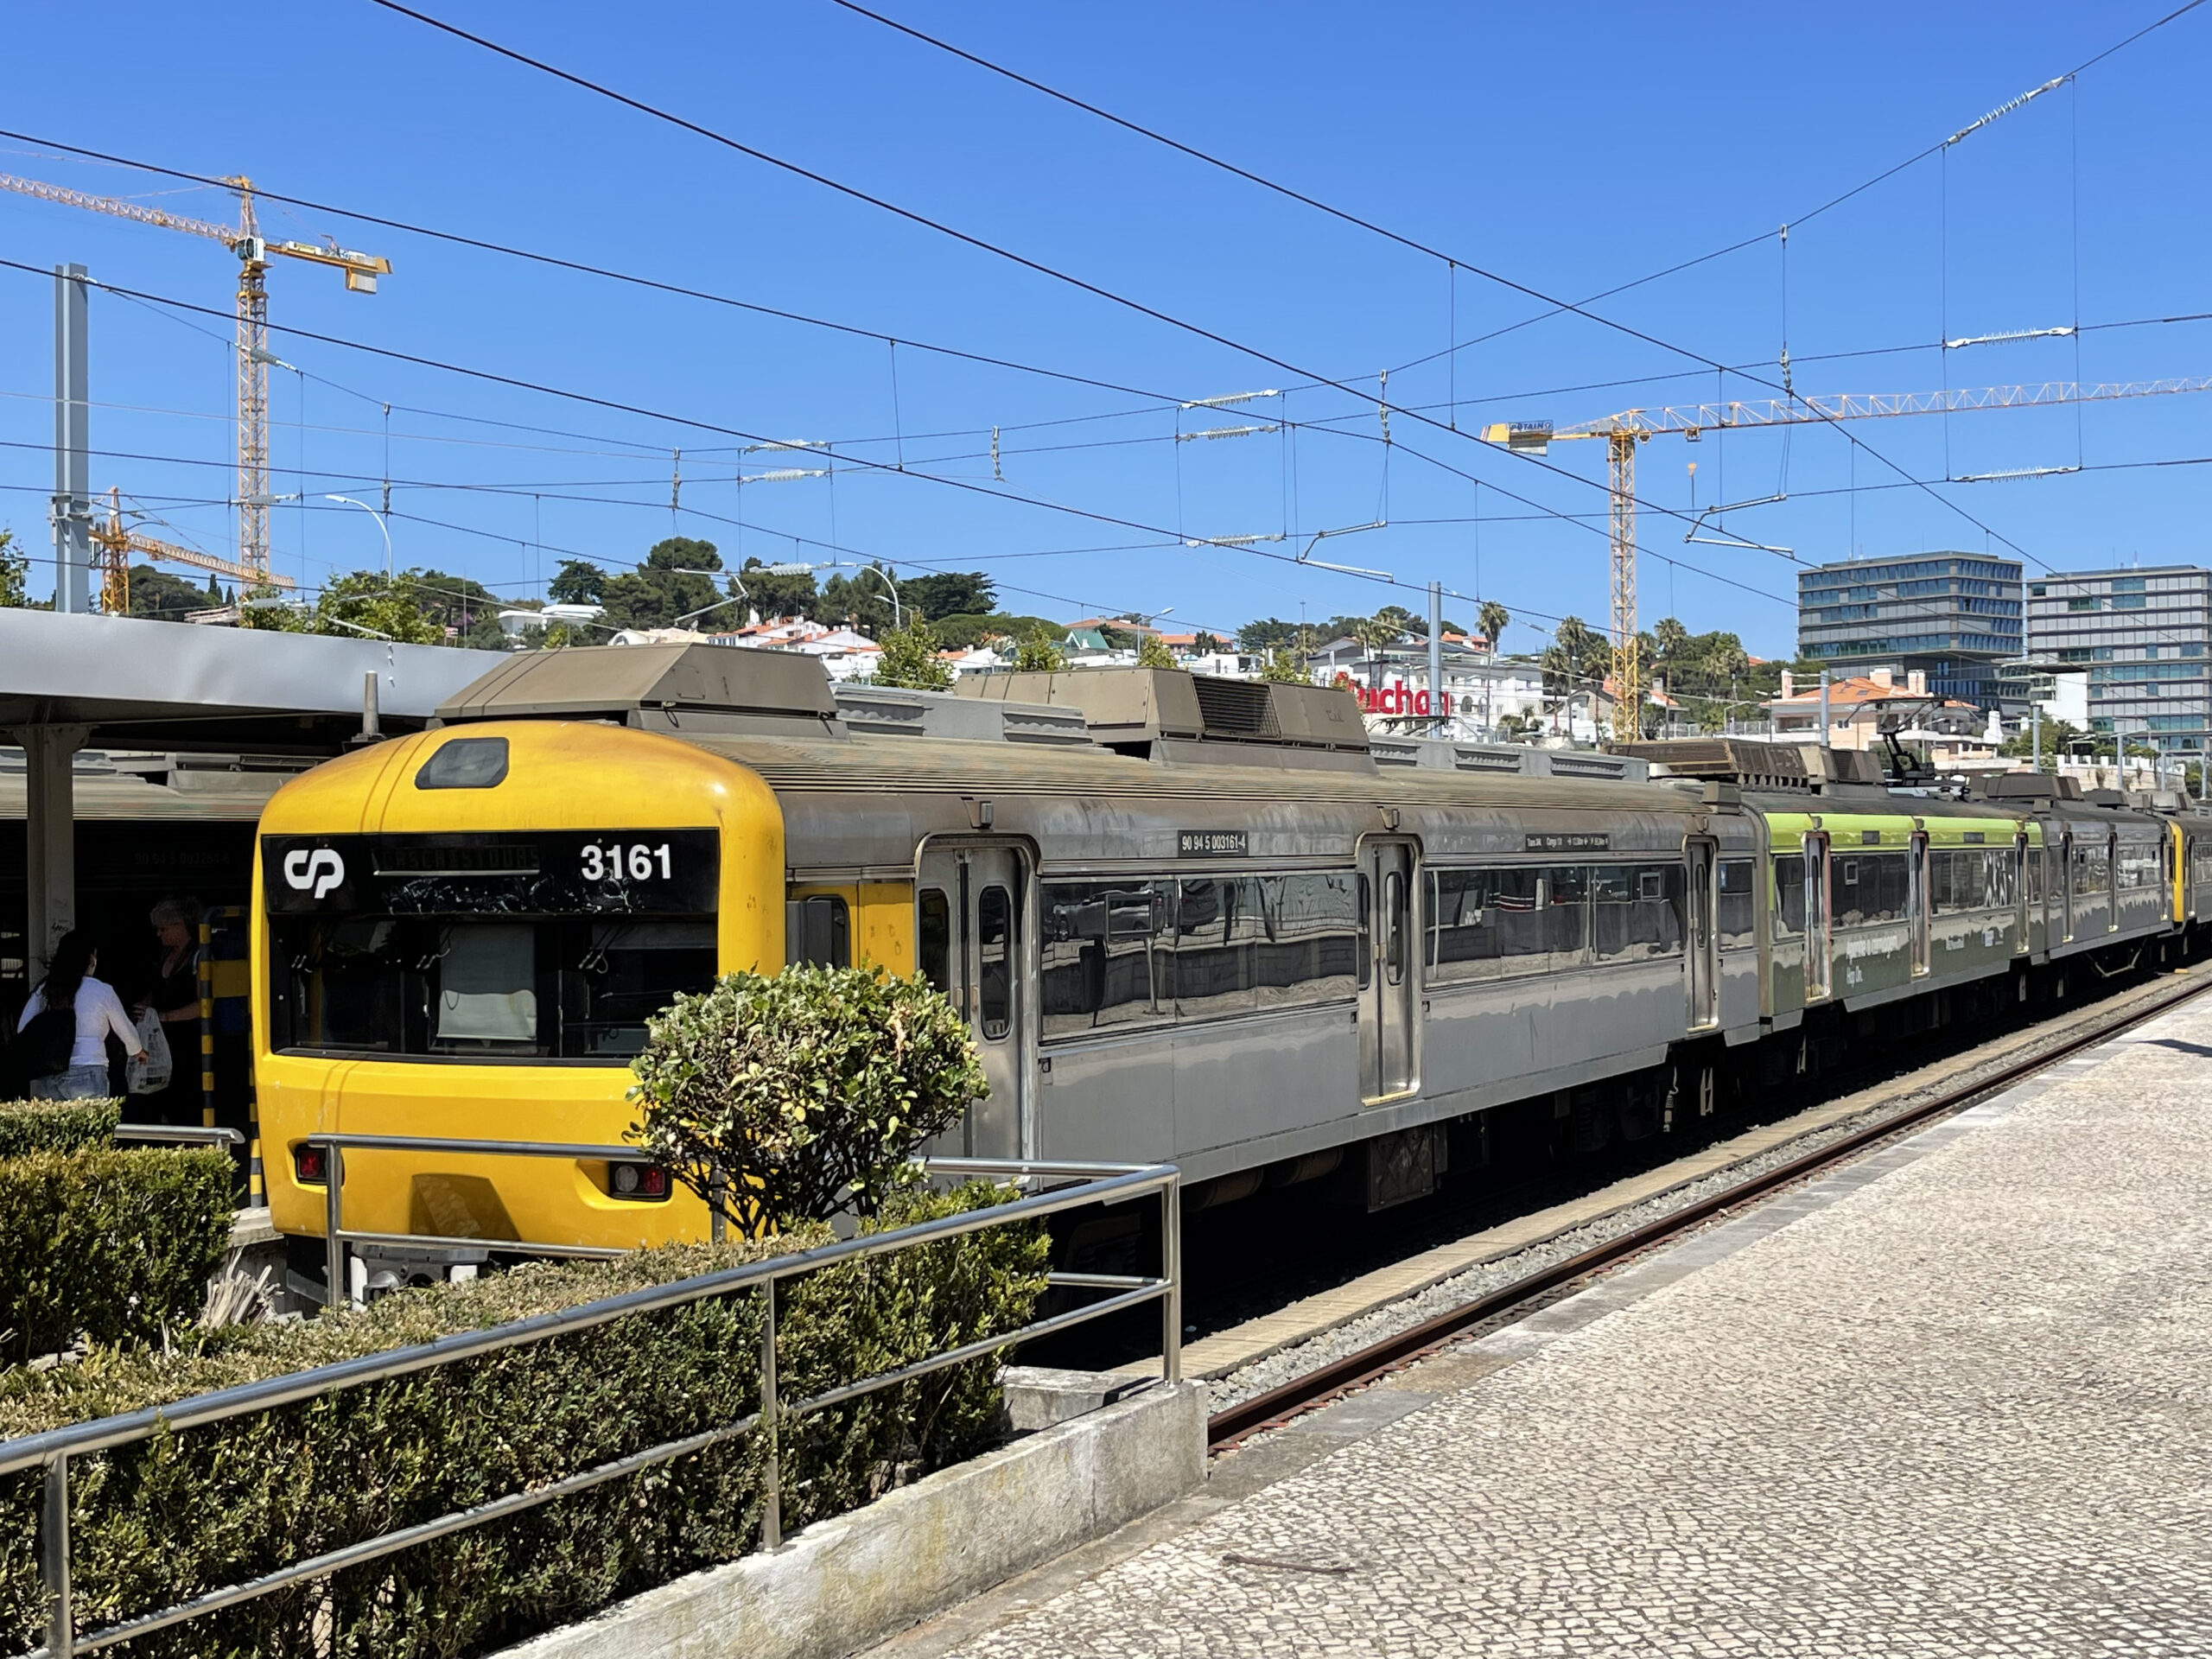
x=993, y=971
x=1105, y=946
x=1217, y=922
x=1364, y=971
x=617, y=974
x=818, y=929
x=1871, y=887
x=1635, y=911
x=1309, y=943
x=2092, y=870
x=1522, y=920
x=1788, y=895
x=2003, y=868
x=2141, y=864
x=486, y=990
x=1395, y=927
x=1737, y=915
x=1958, y=879
x=933, y=938
x=566, y=987
x=465, y=763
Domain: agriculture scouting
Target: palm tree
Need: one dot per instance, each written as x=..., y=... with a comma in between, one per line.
x=1568, y=659
x=1374, y=635
x=1493, y=620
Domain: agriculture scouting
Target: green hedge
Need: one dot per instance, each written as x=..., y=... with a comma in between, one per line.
x=116, y=1244
x=56, y=1125
x=157, y=1522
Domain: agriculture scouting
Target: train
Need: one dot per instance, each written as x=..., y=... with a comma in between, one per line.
x=1188, y=919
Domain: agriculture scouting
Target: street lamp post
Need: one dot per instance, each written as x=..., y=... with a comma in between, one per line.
x=347, y=500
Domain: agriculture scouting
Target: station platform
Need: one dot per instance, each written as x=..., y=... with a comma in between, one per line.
x=1954, y=1398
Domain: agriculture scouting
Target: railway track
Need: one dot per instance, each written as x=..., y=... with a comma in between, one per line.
x=1522, y=1295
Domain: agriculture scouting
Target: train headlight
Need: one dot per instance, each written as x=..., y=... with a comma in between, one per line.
x=639, y=1183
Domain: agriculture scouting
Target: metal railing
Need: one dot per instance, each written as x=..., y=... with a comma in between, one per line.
x=1095, y=1184
x=179, y=1134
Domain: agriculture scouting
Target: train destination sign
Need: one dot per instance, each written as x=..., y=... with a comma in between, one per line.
x=1557, y=841
x=566, y=872
x=1212, y=843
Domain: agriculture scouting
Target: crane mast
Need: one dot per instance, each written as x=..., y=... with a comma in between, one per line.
x=253, y=251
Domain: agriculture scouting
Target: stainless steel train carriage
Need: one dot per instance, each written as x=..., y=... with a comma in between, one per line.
x=1187, y=919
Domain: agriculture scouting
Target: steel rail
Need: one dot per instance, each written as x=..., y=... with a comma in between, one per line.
x=1278, y=1406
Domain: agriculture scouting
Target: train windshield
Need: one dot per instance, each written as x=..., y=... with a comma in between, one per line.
x=467, y=987
x=547, y=948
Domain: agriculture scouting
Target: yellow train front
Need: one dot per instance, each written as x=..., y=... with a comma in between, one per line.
x=466, y=931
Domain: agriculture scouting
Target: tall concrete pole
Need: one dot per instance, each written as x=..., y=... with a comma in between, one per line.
x=72, y=482
x=1824, y=738
x=2035, y=725
x=1438, y=708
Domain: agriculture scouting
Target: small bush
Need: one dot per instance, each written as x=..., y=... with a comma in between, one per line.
x=56, y=1125
x=156, y=1523
x=787, y=1099
x=116, y=1244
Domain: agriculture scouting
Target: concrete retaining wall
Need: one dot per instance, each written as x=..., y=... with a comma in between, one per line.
x=843, y=1584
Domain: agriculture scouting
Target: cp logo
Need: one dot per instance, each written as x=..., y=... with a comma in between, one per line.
x=322, y=869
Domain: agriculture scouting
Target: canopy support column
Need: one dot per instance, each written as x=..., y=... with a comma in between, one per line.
x=50, y=836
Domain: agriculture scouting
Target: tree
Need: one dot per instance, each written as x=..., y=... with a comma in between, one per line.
x=774, y=596
x=949, y=593
x=365, y=604
x=1208, y=644
x=1038, y=654
x=960, y=633
x=909, y=658
x=1151, y=653
x=861, y=601
x=463, y=604
x=788, y=1099
x=1374, y=635
x=158, y=595
x=1266, y=634
x=1285, y=667
x=13, y=569
x=677, y=579
x=2059, y=738
x=576, y=583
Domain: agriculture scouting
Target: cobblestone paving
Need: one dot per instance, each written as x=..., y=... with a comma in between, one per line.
x=1965, y=1409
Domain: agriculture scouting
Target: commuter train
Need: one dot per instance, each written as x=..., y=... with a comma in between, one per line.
x=1187, y=919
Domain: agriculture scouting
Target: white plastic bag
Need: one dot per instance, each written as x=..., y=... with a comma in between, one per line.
x=152, y=1075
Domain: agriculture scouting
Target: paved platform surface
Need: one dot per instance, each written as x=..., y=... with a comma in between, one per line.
x=1955, y=1399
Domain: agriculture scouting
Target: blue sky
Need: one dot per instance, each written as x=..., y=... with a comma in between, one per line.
x=1571, y=151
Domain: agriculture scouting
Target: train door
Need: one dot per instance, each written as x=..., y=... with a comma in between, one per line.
x=1919, y=904
x=2112, y=880
x=2024, y=891
x=971, y=932
x=1390, y=994
x=2065, y=879
x=1704, y=937
x=1818, y=962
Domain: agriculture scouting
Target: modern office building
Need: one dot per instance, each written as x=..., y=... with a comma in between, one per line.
x=1950, y=616
x=2144, y=635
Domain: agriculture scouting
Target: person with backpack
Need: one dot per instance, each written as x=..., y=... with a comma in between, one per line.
x=67, y=1023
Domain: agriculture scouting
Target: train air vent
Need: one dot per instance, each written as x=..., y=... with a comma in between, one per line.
x=1234, y=708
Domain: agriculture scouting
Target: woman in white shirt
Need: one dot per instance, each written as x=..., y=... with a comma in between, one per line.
x=69, y=984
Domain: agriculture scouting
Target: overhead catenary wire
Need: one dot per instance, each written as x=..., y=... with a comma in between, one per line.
x=1140, y=307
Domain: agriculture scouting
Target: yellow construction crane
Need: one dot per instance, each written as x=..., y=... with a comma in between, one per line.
x=117, y=542
x=245, y=241
x=1623, y=431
